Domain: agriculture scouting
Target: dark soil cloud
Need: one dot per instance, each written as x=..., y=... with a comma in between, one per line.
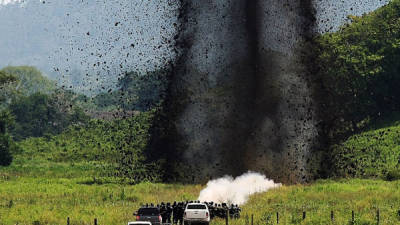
x=240, y=94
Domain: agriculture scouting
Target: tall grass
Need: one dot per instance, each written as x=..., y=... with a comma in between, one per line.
x=322, y=197
x=47, y=183
x=24, y=200
x=369, y=154
x=51, y=201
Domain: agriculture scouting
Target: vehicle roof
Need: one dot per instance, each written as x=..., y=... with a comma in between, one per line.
x=197, y=204
x=139, y=222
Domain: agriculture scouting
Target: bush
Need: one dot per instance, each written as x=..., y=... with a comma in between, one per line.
x=117, y=147
x=6, y=146
x=393, y=175
x=39, y=114
x=369, y=154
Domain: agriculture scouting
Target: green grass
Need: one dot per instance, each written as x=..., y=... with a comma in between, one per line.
x=51, y=201
x=62, y=176
x=37, y=188
x=373, y=153
x=318, y=199
x=90, y=150
x=24, y=200
x=39, y=159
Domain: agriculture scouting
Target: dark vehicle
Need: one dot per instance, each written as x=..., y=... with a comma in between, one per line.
x=151, y=214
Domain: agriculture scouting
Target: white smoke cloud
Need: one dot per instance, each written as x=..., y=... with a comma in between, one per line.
x=236, y=191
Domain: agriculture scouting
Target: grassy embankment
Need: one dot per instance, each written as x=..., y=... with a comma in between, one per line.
x=374, y=153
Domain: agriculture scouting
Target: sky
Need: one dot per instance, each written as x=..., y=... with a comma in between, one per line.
x=88, y=44
x=331, y=14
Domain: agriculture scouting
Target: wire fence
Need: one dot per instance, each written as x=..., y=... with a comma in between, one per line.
x=270, y=218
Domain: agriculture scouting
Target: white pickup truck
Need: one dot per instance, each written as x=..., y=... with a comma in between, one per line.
x=196, y=213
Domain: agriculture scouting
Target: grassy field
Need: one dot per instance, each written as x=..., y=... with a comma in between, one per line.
x=26, y=199
x=369, y=154
x=322, y=197
x=45, y=185
x=47, y=191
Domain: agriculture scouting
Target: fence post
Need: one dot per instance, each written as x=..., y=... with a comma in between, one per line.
x=95, y=221
x=377, y=216
x=352, y=216
x=252, y=219
x=226, y=218
x=304, y=215
x=277, y=217
x=67, y=220
x=332, y=216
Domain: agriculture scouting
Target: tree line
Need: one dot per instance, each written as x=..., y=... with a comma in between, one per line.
x=357, y=70
x=36, y=114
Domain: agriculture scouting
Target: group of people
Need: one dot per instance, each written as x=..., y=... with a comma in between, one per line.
x=176, y=210
x=223, y=210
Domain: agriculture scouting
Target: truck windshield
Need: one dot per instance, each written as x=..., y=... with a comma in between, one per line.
x=196, y=207
x=149, y=211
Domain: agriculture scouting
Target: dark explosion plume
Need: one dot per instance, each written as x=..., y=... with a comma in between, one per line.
x=240, y=95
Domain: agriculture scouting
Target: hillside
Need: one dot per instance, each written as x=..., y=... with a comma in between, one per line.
x=374, y=153
x=358, y=72
x=96, y=149
x=30, y=80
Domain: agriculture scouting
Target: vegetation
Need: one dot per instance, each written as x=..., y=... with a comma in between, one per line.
x=6, y=78
x=359, y=73
x=322, y=197
x=55, y=132
x=111, y=148
x=39, y=114
x=359, y=70
x=374, y=153
x=36, y=105
x=7, y=146
x=135, y=92
x=27, y=81
x=68, y=165
x=51, y=201
x=25, y=200
x=30, y=80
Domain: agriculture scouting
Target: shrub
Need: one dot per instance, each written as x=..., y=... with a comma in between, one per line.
x=6, y=147
x=369, y=154
x=393, y=175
